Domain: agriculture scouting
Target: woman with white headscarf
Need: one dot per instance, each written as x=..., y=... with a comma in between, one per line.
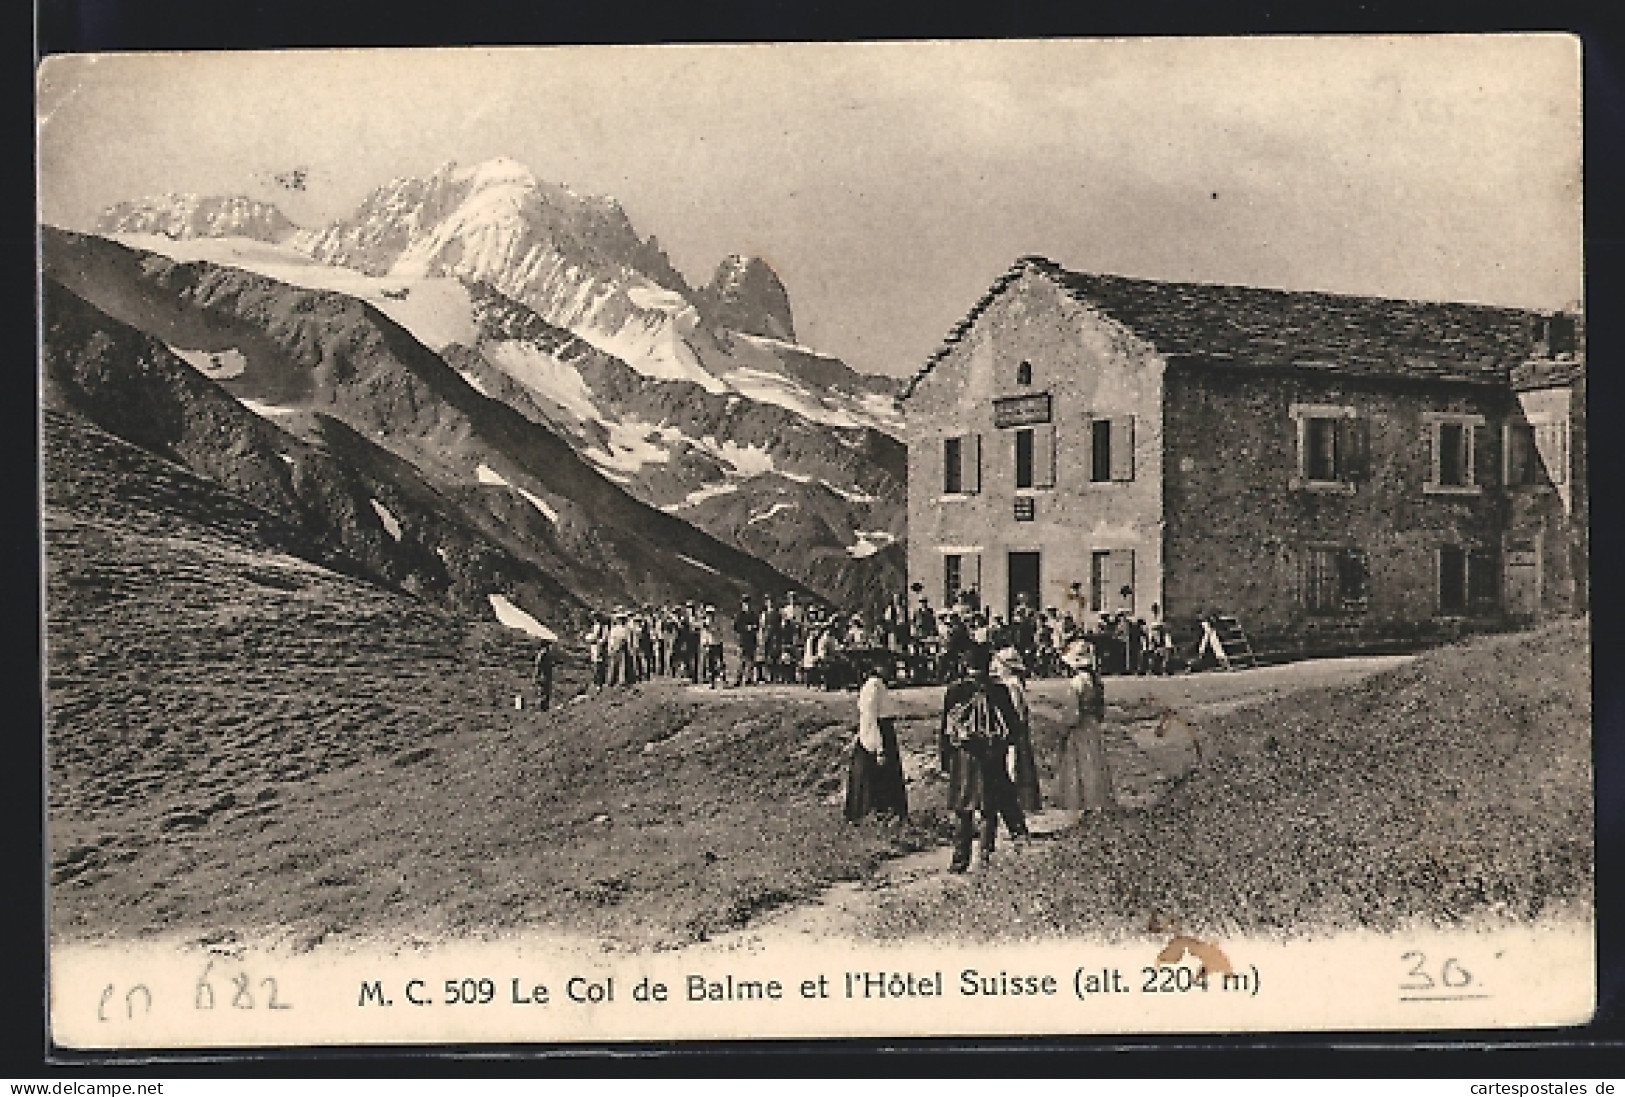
x=874, y=784
x=1082, y=780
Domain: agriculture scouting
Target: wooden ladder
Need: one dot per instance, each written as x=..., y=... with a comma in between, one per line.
x=1234, y=638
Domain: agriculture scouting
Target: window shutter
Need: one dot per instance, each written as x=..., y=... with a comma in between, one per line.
x=976, y=574
x=971, y=450
x=1354, y=448
x=1123, y=448
x=1486, y=456
x=1087, y=450
x=1044, y=456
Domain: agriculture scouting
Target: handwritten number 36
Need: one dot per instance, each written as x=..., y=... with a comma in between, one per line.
x=1451, y=974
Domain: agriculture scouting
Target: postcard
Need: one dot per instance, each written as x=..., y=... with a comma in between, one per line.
x=606, y=544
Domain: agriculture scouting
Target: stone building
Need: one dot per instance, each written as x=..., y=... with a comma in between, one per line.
x=1330, y=469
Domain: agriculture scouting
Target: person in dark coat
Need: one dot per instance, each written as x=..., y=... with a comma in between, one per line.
x=875, y=784
x=975, y=764
x=542, y=674
x=1008, y=669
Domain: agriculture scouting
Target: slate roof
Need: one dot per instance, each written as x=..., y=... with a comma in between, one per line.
x=1266, y=328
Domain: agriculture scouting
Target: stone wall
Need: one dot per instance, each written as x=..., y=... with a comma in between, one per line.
x=1241, y=524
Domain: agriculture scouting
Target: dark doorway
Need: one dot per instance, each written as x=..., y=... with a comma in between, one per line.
x=1023, y=580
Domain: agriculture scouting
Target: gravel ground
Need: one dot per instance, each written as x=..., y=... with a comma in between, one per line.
x=1453, y=789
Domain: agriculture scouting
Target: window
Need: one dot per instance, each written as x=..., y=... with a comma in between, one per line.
x=1483, y=579
x=1111, y=449
x=961, y=576
x=1458, y=449
x=1336, y=580
x=1469, y=579
x=1333, y=447
x=1024, y=458
x=1454, y=443
x=962, y=465
x=1535, y=453
x=1320, y=443
x=1521, y=459
x=1452, y=579
x=1100, y=451
x=1024, y=373
x=1111, y=580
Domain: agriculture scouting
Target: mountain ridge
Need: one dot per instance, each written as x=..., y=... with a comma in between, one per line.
x=332, y=373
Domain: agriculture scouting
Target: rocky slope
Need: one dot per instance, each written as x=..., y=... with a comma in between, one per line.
x=416, y=479
x=747, y=296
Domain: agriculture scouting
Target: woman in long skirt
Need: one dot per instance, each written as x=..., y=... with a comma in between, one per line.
x=874, y=785
x=1082, y=779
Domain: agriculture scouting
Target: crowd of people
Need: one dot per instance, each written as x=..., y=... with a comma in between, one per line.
x=794, y=640
x=789, y=640
x=1122, y=643
x=986, y=660
x=985, y=742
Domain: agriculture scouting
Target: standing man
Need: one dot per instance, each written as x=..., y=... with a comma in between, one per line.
x=621, y=672
x=746, y=626
x=977, y=718
x=542, y=674
x=711, y=648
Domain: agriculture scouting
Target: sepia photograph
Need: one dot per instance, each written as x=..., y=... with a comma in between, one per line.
x=605, y=543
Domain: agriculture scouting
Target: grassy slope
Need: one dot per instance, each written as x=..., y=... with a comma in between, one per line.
x=1454, y=788
x=241, y=741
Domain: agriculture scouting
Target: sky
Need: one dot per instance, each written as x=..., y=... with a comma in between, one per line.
x=890, y=184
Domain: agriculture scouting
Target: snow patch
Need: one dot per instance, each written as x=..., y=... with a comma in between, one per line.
x=515, y=618
x=437, y=311
x=544, y=375
x=391, y=525
x=629, y=447
x=782, y=344
x=792, y=395
x=474, y=382
x=656, y=298
x=870, y=542
x=851, y=495
x=264, y=410
x=488, y=475
x=701, y=494
x=747, y=460
x=217, y=365
x=494, y=172
x=286, y=459
x=698, y=564
x=768, y=513
x=541, y=505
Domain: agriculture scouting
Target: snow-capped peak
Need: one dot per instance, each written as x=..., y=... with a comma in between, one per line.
x=501, y=170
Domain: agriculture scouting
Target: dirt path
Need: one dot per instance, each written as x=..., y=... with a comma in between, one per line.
x=1153, y=740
